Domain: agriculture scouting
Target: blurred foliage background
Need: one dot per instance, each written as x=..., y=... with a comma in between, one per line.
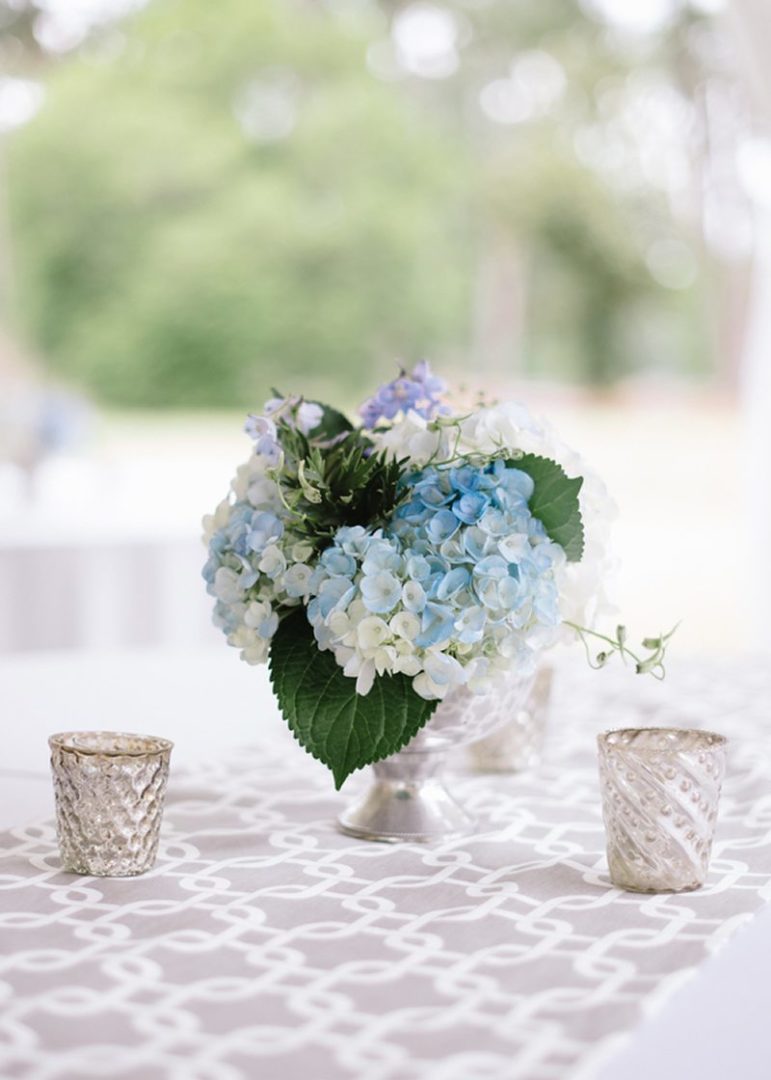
x=204, y=199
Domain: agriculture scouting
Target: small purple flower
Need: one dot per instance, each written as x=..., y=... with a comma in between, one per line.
x=420, y=392
x=263, y=431
x=258, y=426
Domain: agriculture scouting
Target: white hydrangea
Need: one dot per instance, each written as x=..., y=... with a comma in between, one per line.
x=256, y=563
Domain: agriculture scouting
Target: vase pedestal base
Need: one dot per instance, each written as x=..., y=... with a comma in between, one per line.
x=407, y=802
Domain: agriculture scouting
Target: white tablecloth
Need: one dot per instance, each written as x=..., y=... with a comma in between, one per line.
x=266, y=944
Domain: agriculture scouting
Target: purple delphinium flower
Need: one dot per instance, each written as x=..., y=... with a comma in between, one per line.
x=421, y=392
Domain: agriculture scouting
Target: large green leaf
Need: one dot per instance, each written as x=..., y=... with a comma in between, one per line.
x=555, y=502
x=324, y=712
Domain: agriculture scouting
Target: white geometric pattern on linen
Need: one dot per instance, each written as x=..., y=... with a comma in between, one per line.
x=264, y=944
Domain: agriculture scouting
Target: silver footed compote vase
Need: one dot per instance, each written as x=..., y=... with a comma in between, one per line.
x=409, y=798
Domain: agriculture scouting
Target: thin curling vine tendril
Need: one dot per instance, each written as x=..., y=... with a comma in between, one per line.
x=455, y=455
x=647, y=665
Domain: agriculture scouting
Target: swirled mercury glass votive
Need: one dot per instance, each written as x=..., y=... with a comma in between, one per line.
x=660, y=792
x=109, y=788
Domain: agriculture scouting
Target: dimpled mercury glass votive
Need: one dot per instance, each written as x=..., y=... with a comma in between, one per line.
x=660, y=792
x=109, y=789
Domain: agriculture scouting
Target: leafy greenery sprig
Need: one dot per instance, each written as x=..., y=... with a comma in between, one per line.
x=653, y=664
x=332, y=478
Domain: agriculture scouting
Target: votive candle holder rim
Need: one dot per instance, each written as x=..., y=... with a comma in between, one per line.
x=124, y=744
x=708, y=739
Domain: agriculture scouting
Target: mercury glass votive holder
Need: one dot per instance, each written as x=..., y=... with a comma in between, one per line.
x=660, y=793
x=516, y=745
x=110, y=789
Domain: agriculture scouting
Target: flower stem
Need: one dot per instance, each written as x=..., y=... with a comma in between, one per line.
x=652, y=664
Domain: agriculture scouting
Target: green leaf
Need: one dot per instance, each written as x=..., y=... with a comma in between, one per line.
x=312, y=494
x=325, y=714
x=332, y=423
x=555, y=502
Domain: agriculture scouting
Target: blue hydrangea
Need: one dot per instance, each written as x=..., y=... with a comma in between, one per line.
x=463, y=570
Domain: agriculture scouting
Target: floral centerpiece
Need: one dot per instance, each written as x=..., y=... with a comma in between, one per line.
x=382, y=567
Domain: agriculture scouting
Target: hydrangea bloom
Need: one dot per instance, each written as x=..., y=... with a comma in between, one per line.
x=509, y=426
x=461, y=585
x=256, y=563
x=421, y=392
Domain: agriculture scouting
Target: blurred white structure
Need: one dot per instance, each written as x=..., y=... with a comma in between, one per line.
x=751, y=22
x=101, y=555
x=98, y=595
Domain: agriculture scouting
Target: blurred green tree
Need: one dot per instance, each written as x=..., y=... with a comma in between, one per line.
x=220, y=196
x=564, y=116
x=217, y=197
